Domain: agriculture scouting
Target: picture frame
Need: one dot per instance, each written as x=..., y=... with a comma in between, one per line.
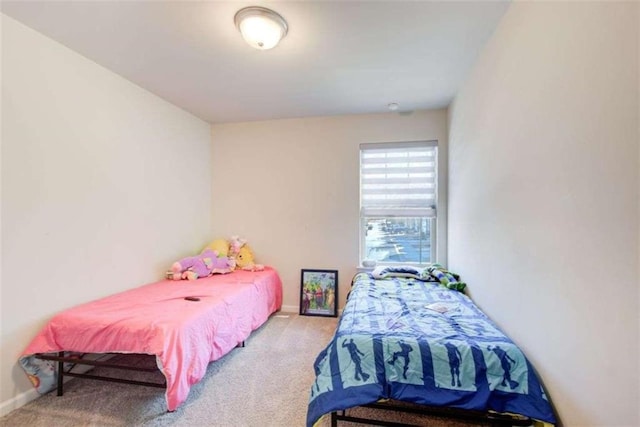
x=319, y=293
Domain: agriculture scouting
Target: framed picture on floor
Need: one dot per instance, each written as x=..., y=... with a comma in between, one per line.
x=319, y=293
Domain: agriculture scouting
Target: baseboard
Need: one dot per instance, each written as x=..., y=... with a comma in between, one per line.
x=18, y=401
x=290, y=309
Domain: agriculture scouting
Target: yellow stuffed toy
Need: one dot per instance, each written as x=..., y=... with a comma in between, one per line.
x=219, y=245
x=243, y=255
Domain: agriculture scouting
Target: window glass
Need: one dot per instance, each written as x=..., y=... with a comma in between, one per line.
x=402, y=240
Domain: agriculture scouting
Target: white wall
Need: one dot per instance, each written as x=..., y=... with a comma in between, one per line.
x=543, y=198
x=103, y=186
x=291, y=187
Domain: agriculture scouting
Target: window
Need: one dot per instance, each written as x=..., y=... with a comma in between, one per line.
x=398, y=202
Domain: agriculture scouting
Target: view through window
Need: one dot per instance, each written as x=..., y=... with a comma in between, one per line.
x=398, y=183
x=404, y=240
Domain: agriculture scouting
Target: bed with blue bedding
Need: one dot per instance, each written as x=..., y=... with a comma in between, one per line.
x=409, y=340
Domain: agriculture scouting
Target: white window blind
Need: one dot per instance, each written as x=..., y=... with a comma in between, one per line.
x=398, y=179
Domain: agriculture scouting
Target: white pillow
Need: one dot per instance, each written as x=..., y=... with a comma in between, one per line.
x=385, y=271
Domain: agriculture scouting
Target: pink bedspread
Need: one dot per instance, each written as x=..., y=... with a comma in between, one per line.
x=156, y=319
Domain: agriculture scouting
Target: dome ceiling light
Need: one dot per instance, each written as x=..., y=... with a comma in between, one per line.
x=262, y=28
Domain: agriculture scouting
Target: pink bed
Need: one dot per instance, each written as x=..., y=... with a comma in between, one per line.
x=155, y=319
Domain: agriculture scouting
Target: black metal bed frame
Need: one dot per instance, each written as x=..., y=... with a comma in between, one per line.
x=491, y=418
x=63, y=357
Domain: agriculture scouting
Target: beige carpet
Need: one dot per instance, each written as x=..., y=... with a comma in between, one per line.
x=266, y=383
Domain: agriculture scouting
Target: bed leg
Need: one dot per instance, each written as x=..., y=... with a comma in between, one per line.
x=60, y=373
x=334, y=419
x=241, y=344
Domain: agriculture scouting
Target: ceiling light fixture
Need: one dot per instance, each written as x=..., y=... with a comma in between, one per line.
x=262, y=28
x=393, y=106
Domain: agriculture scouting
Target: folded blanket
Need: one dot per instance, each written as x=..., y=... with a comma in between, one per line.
x=446, y=278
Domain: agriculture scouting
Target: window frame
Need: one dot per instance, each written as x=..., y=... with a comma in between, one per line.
x=433, y=220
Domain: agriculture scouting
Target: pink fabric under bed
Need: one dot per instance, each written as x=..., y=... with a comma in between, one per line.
x=156, y=319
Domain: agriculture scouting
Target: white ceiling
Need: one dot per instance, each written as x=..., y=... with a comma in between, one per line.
x=340, y=57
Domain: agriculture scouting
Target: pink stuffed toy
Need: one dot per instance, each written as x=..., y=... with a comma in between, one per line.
x=235, y=244
x=203, y=265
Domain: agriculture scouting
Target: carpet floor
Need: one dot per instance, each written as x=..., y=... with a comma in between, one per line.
x=264, y=384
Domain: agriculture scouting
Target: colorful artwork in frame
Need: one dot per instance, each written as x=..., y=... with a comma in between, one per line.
x=319, y=293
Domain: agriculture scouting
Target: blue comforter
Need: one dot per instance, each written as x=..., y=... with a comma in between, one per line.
x=419, y=342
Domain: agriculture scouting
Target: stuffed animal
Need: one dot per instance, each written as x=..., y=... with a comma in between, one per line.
x=244, y=260
x=203, y=265
x=221, y=246
x=235, y=244
x=242, y=254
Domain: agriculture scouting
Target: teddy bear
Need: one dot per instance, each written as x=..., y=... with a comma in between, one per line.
x=207, y=263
